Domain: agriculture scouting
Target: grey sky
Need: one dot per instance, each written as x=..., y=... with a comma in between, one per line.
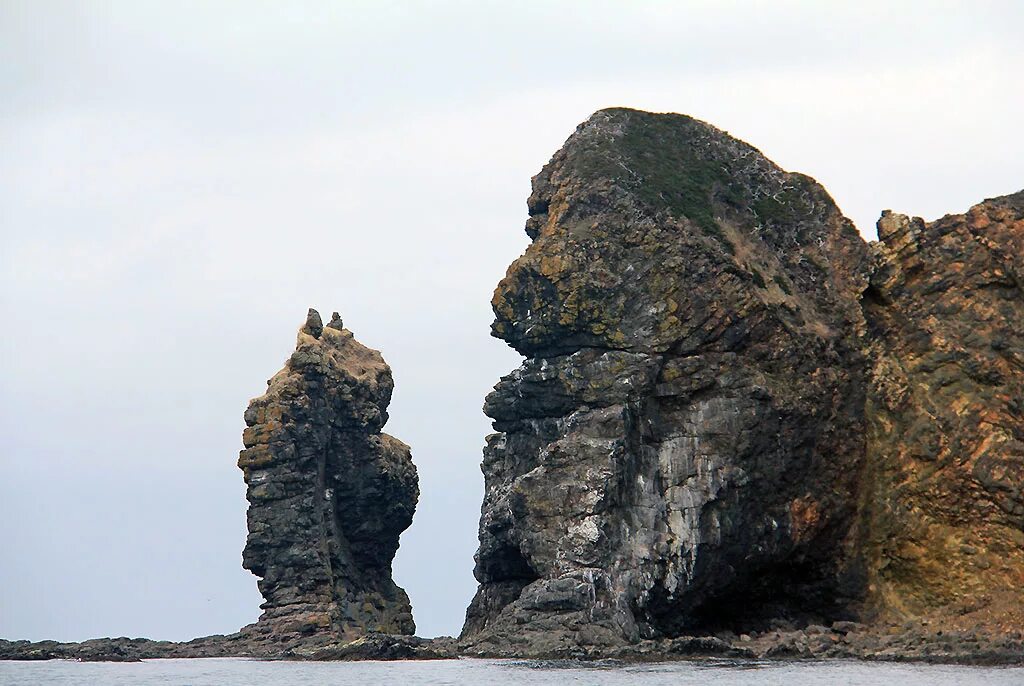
x=180, y=181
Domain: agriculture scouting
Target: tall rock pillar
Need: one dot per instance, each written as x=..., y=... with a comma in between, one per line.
x=329, y=493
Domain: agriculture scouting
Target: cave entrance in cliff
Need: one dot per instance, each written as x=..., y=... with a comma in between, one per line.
x=794, y=594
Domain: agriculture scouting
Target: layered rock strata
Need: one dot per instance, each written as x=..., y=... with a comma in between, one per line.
x=329, y=493
x=945, y=409
x=682, y=447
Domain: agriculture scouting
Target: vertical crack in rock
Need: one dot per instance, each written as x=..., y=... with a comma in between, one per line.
x=329, y=494
x=944, y=514
x=683, y=444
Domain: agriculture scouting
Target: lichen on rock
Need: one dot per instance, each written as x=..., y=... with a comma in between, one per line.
x=944, y=513
x=682, y=445
x=329, y=493
x=735, y=414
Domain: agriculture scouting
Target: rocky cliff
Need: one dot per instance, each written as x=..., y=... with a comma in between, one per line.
x=329, y=494
x=733, y=414
x=945, y=410
x=737, y=427
x=682, y=446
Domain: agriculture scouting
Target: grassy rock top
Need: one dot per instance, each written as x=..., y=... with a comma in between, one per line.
x=637, y=209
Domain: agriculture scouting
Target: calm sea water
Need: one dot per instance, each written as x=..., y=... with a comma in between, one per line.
x=239, y=672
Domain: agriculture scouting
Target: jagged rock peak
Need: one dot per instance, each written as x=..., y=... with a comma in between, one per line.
x=314, y=326
x=680, y=449
x=329, y=494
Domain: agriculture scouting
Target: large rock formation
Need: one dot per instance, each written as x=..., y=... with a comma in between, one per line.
x=682, y=447
x=945, y=511
x=329, y=494
x=734, y=414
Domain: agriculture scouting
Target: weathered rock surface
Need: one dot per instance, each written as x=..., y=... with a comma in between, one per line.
x=945, y=404
x=682, y=447
x=329, y=494
x=734, y=415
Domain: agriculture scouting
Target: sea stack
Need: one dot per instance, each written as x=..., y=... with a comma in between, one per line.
x=682, y=447
x=329, y=493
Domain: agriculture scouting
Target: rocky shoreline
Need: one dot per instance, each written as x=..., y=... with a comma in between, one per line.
x=911, y=642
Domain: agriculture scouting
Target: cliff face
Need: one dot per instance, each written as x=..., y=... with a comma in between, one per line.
x=945, y=512
x=329, y=494
x=683, y=444
x=733, y=415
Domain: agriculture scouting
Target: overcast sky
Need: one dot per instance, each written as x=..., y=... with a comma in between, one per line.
x=180, y=181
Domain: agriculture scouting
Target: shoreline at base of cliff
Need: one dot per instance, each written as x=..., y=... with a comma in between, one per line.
x=910, y=642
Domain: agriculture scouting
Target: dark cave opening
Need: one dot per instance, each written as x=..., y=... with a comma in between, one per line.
x=789, y=595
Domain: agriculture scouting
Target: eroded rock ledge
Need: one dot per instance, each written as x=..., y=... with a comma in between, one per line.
x=911, y=641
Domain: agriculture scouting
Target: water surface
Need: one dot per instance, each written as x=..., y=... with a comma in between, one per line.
x=467, y=672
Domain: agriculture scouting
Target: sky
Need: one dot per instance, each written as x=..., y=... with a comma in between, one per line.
x=180, y=181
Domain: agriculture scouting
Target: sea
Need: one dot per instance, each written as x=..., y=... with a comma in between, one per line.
x=471, y=672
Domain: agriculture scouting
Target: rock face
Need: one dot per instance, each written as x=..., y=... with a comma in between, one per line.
x=945, y=316
x=682, y=447
x=329, y=494
x=735, y=415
